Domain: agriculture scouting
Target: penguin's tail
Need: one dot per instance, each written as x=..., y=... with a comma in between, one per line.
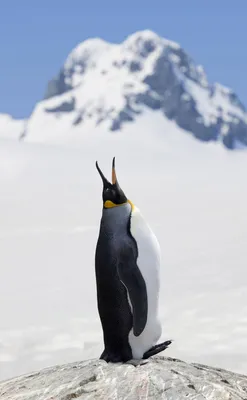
x=156, y=349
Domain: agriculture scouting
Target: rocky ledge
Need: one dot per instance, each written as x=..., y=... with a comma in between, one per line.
x=160, y=378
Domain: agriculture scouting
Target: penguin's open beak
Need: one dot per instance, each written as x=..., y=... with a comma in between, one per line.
x=114, y=177
x=113, y=195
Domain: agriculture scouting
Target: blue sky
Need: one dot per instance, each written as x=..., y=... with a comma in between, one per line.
x=36, y=37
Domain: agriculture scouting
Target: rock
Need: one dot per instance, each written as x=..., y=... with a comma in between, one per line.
x=66, y=106
x=160, y=378
x=57, y=86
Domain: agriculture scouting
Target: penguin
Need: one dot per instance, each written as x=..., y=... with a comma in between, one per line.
x=127, y=271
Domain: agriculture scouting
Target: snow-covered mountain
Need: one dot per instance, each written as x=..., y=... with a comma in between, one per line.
x=103, y=87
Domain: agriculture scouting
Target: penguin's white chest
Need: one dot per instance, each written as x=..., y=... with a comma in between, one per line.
x=148, y=262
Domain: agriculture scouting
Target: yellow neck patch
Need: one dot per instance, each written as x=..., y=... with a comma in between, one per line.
x=110, y=204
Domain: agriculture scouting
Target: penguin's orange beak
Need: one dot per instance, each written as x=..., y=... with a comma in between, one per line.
x=114, y=177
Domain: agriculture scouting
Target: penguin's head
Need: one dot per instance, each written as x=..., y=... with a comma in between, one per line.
x=113, y=196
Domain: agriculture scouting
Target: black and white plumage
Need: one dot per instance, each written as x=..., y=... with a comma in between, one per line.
x=127, y=266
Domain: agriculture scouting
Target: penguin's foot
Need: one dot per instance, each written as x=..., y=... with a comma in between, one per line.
x=137, y=363
x=113, y=357
x=156, y=349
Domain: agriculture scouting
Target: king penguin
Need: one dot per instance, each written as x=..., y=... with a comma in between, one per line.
x=127, y=270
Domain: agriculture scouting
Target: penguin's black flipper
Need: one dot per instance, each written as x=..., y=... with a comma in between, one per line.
x=156, y=349
x=132, y=279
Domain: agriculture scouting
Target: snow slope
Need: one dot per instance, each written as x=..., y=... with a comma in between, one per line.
x=11, y=128
x=194, y=197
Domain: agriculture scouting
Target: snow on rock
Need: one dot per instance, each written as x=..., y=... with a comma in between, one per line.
x=107, y=85
x=160, y=378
